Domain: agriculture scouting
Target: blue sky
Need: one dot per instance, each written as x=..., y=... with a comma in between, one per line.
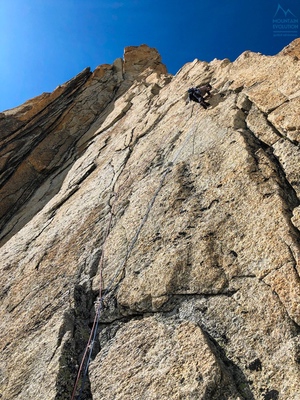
x=44, y=43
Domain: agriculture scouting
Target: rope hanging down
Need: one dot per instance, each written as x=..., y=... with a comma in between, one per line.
x=98, y=308
x=99, y=303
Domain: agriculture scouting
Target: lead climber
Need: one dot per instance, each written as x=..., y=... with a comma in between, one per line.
x=199, y=94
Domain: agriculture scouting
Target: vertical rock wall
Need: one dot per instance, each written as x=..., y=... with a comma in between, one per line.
x=195, y=214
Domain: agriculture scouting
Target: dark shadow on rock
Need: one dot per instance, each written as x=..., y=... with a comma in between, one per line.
x=238, y=377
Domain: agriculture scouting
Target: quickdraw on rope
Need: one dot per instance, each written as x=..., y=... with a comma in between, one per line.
x=100, y=300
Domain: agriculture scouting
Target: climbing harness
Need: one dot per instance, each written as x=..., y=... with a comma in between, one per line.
x=100, y=299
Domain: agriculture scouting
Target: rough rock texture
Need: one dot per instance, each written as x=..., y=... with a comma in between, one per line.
x=193, y=214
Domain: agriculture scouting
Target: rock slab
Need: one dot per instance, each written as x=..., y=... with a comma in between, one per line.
x=187, y=219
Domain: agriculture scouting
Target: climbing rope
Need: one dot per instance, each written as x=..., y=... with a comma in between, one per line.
x=98, y=308
x=100, y=300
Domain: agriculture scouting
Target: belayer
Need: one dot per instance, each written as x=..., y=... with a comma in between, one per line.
x=197, y=94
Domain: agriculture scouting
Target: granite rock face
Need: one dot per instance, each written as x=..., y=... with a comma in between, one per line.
x=187, y=219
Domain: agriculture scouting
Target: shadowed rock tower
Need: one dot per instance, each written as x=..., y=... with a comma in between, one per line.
x=187, y=219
